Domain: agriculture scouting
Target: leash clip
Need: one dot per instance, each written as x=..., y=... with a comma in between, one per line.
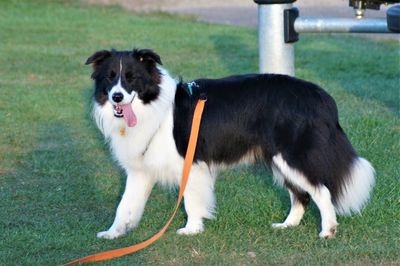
x=203, y=96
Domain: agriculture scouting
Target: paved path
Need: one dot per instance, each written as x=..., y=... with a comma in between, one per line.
x=244, y=12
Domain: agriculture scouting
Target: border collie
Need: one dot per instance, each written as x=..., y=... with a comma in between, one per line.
x=290, y=124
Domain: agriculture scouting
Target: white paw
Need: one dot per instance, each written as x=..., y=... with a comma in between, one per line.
x=190, y=231
x=110, y=234
x=280, y=225
x=328, y=234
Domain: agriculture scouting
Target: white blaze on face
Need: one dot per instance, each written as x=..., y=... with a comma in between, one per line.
x=117, y=88
x=124, y=107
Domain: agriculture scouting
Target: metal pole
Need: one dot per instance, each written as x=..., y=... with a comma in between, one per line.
x=275, y=56
x=338, y=25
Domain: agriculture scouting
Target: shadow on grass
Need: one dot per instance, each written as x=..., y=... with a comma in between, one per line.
x=367, y=69
x=236, y=52
x=52, y=181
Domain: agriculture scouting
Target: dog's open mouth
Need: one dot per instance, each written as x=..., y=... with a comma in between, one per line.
x=125, y=111
x=118, y=111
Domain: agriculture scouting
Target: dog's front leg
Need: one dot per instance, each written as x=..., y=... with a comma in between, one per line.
x=199, y=200
x=131, y=207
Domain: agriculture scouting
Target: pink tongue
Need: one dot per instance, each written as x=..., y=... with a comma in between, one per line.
x=129, y=115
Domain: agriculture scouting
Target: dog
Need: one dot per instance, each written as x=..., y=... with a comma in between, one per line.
x=288, y=123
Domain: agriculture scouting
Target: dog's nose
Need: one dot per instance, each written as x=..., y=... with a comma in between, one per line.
x=117, y=97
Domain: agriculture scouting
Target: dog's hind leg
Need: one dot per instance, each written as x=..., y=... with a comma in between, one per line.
x=199, y=199
x=130, y=209
x=319, y=193
x=299, y=201
x=322, y=198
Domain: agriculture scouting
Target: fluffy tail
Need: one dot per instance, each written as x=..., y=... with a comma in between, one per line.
x=357, y=187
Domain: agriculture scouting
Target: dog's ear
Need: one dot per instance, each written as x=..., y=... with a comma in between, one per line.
x=98, y=57
x=146, y=55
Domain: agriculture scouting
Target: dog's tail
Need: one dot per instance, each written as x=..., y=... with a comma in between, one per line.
x=356, y=188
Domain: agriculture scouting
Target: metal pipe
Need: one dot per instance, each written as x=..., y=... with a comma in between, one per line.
x=340, y=25
x=275, y=56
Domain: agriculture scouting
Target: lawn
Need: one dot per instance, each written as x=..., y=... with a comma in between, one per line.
x=58, y=186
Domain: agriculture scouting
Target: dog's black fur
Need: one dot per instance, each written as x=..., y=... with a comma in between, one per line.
x=278, y=113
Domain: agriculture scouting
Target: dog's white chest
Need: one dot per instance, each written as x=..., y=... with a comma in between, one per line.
x=151, y=150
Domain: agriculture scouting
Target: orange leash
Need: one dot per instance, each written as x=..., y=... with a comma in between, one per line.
x=194, y=133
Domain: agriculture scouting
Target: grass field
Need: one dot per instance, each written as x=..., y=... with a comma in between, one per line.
x=58, y=186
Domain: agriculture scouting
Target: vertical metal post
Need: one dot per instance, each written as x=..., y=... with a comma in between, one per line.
x=279, y=26
x=275, y=56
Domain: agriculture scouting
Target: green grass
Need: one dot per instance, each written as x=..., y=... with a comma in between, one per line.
x=58, y=186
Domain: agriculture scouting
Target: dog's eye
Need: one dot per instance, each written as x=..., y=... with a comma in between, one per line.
x=111, y=76
x=130, y=77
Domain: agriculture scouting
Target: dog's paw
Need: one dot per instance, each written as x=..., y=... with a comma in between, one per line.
x=328, y=234
x=280, y=225
x=110, y=234
x=190, y=231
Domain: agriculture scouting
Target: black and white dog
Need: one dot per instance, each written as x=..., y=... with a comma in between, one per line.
x=290, y=124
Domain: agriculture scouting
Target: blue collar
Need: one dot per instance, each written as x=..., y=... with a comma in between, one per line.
x=191, y=85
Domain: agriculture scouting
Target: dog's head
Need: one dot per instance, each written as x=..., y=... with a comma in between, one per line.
x=120, y=76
